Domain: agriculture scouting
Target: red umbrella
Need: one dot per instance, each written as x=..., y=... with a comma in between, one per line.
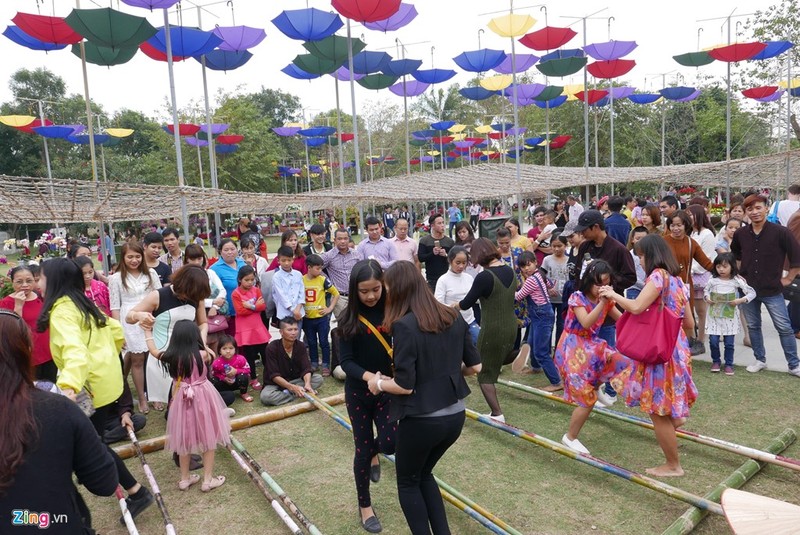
x=610, y=69
x=548, y=38
x=737, y=51
x=152, y=52
x=494, y=156
x=559, y=141
x=760, y=92
x=184, y=129
x=594, y=96
x=414, y=161
x=474, y=139
x=231, y=139
x=442, y=140
x=497, y=135
x=454, y=154
x=29, y=128
x=476, y=154
x=48, y=29
x=347, y=137
x=366, y=10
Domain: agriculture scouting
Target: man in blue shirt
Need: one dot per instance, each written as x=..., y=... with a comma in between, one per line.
x=287, y=288
x=453, y=216
x=617, y=225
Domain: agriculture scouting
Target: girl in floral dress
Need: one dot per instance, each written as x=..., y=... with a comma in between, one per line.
x=664, y=391
x=585, y=360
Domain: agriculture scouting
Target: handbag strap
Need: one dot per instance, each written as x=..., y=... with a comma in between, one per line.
x=379, y=336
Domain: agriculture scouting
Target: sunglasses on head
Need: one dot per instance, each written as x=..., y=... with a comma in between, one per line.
x=5, y=312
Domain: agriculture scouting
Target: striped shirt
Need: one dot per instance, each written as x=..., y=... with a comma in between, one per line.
x=339, y=265
x=535, y=286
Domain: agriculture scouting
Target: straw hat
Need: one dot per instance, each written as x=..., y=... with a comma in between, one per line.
x=752, y=514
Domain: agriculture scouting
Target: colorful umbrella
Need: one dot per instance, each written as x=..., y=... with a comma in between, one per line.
x=286, y=131
x=366, y=10
x=676, y=93
x=525, y=91
x=424, y=134
x=760, y=92
x=153, y=53
x=402, y=67
x=511, y=25
x=497, y=82
x=563, y=54
x=621, y=92
x=105, y=55
x=216, y=128
x=296, y=72
x=771, y=98
x=317, y=131
x=548, y=38
x=694, y=59
x=21, y=38
x=411, y=88
x=194, y=142
x=593, y=95
x=644, y=98
x=238, y=38
x=343, y=75
x=185, y=41
x=333, y=48
x=83, y=139
x=368, y=62
x=310, y=24
x=523, y=63
x=418, y=142
x=313, y=64
x=480, y=60
x=610, y=69
x=774, y=48
x=55, y=131
x=224, y=60
x=736, y=51
x=184, y=129
x=610, y=50
x=28, y=128
x=151, y=4
x=442, y=126
x=226, y=149
x=552, y=103
x=119, y=132
x=231, y=139
x=404, y=15
x=561, y=67
x=690, y=97
x=111, y=28
x=315, y=141
x=476, y=93
x=549, y=93
x=46, y=29
x=377, y=81
x=17, y=121
x=433, y=76
x=560, y=141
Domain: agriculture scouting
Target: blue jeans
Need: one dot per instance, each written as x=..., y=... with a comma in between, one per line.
x=794, y=315
x=776, y=307
x=474, y=331
x=713, y=342
x=609, y=334
x=314, y=327
x=539, y=339
x=558, y=310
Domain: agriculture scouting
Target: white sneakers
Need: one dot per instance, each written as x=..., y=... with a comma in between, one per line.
x=757, y=366
x=795, y=371
x=574, y=445
x=603, y=399
x=230, y=412
x=500, y=418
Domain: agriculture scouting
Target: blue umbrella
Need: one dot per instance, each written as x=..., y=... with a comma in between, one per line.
x=308, y=24
x=476, y=93
x=533, y=141
x=317, y=131
x=315, y=169
x=55, y=131
x=296, y=72
x=690, y=97
x=424, y=134
x=315, y=141
x=83, y=139
x=443, y=125
x=644, y=98
x=552, y=103
x=226, y=149
x=185, y=41
x=21, y=38
x=481, y=60
x=563, y=54
x=676, y=93
x=367, y=62
x=224, y=60
x=600, y=103
x=795, y=91
x=402, y=67
x=499, y=127
x=433, y=76
x=774, y=48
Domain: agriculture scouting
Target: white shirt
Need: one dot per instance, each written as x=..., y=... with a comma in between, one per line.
x=452, y=288
x=786, y=209
x=475, y=209
x=574, y=211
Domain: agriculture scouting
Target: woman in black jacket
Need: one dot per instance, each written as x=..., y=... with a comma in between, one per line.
x=433, y=351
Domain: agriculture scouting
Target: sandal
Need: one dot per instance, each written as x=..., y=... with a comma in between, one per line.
x=157, y=406
x=255, y=385
x=247, y=397
x=214, y=483
x=184, y=484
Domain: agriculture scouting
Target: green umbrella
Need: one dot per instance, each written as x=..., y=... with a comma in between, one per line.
x=377, y=81
x=110, y=28
x=112, y=141
x=333, y=48
x=550, y=92
x=204, y=135
x=103, y=55
x=694, y=59
x=314, y=65
x=418, y=142
x=561, y=67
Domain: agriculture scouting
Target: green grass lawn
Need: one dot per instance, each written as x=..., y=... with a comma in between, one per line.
x=531, y=488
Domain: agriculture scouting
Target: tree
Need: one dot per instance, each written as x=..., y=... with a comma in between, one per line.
x=38, y=84
x=443, y=105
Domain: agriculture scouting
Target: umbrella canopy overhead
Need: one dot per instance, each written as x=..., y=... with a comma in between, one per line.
x=367, y=62
x=310, y=24
x=476, y=93
x=497, y=82
x=52, y=30
x=111, y=28
x=55, y=131
x=194, y=142
x=104, y=55
x=317, y=131
x=442, y=126
x=433, y=76
x=771, y=98
x=610, y=50
x=333, y=48
x=28, y=128
x=225, y=60
x=21, y=38
x=644, y=98
x=84, y=139
x=593, y=95
x=481, y=60
x=238, y=38
x=315, y=141
x=737, y=51
x=119, y=132
x=296, y=72
x=411, y=88
x=151, y=4
x=610, y=69
x=17, y=121
x=153, y=53
x=184, y=129
x=185, y=41
x=561, y=67
x=694, y=59
x=286, y=131
x=343, y=75
x=773, y=48
x=231, y=139
x=314, y=65
x=563, y=54
x=676, y=93
x=760, y=92
x=377, y=81
x=404, y=15
x=523, y=63
x=621, y=92
x=512, y=25
x=216, y=128
x=402, y=67
x=366, y=10
x=548, y=38
x=690, y=97
x=549, y=93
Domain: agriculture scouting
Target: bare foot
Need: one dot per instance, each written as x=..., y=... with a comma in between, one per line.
x=665, y=471
x=677, y=423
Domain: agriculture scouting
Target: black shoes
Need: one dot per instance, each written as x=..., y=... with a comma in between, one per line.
x=372, y=524
x=195, y=462
x=137, y=503
x=375, y=472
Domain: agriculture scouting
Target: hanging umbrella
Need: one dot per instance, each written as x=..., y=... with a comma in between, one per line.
x=185, y=41
x=694, y=59
x=368, y=62
x=771, y=98
x=333, y=48
x=239, y=38
x=563, y=54
x=610, y=50
x=433, y=76
x=55, y=131
x=153, y=53
x=442, y=140
x=442, y=126
x=104, y=55
x=418, y=142
x=533, y=141
x=83, y=139
x=600, y=103
x=795, y=91
x=224, y=60
x=561, y=67
x=644, y=98
x=560, y=141
x=28, y=128
x=119, y=132
x=313, y=64
x=46, y=29
x=525, y=91
x=593, y=95
x=343, y=75
x=402, y=67
x=552, y=103
x=424, y=134
x=610, y=69
x=17, y=121
x=404, y=15
x=621, y=92
x=317, y=131
x=736, y=51
x=366, y=10
x=548, y=38
x=21, y=38
x=226, y=149
x=151, y=4
x=549, y=93
x=516, y=131
x=676, y=93
x=773, y=48
x=315, y=141
x=377, y=81
x=497, y=82
x=286, y=131
x=511, y=25
x=476, y=93
x=335, y=140
x=688, y=98
x=232, y=139
x=760, y=92
x=523, y=63
x=411, y=88
x=310, y=24
x=111, y=28
x=481, y=60
x=296, y=72
x=194, y=142
x=184, y=129
x=216, y=128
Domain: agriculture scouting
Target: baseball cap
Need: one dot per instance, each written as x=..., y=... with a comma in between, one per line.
x=587, y=219
x=569, y=228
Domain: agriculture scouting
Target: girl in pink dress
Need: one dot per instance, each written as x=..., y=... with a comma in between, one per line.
x=95, y=290
x=252, y=335
x=197, y=422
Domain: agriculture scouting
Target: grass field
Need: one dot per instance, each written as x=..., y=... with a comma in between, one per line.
x=532, y=489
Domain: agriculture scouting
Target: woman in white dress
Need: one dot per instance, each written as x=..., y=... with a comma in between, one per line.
x=126, y=288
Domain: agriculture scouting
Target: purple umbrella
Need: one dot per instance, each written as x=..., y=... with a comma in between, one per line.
x=151, y=4
x=286, y=131
x=310, y=24
x=296, y=72
x=644, y=98
x=367, y=62
x=610, y=50
x=224, y=60
x=343, y=75
x=516, y=131
x=689, y=98
x=463, y=144
x=194, y=142
x=238, y=38
x=404, y=15
x=402, y=67
x=413, y=88
x=774, y=48
x=21, y=38
x=523, y=62
x=216, y=128
x=621, y=92
x=427, y=159
x=481, y=60
x=433, y=76
x=525, y=91
x=771, y=98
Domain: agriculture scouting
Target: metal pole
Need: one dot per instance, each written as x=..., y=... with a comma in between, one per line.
x=514, y=92
x=788, y=119
x=728, y=129
x=585, y=118
x=212, y=165
x=355, y=125
x=47, y=160
x=339, y=130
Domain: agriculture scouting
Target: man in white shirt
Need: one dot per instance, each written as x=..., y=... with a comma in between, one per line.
x=575, y=208
x=790, y=205
x=474, y=212
x=376, y=246
x=405, y=247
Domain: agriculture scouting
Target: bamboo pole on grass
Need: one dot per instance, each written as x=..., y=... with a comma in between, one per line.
x=605, y=466
x=732, y=447
x=126, y=515
x=692, y=517
x=461, y=502
x=168, y=526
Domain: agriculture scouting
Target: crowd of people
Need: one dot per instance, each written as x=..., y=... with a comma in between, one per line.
x=412, y=319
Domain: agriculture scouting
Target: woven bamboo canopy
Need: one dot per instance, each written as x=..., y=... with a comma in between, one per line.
x=29, y=200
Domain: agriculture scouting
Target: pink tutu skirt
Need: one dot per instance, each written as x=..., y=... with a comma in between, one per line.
x=197, y=419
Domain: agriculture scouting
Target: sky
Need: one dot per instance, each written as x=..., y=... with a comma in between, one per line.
x=442, y=30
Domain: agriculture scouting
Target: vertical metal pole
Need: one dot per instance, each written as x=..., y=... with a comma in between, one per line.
x=355, y=125
x=514, y=92
x=212, y=157
x=611, y=94
x=339, y=131
x=47, y=160
x=728, y=129
x=788, y=119
x=585, y=118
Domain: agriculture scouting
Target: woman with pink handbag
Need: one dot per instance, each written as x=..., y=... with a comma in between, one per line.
x=663, y=386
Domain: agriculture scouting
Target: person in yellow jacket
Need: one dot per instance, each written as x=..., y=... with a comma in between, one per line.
x=85, y=344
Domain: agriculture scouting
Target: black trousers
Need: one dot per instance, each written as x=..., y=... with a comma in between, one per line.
x=251, y=353
x=240, y=383
x=98, y=420
x=365, y=409
x=421, y=442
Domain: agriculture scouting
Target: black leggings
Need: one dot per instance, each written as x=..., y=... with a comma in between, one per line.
x=364, y=409
x=421, y=442
x=240, y=384
x=251, y=353
x=98, y=419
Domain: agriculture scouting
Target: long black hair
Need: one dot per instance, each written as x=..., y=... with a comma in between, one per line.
x=725, y=258
x=183, y=352
x=594, y=276
x=364, y=270
x=657, y=254
x=65, y=278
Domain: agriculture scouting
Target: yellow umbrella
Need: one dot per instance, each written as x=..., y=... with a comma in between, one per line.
x=295, y=125
x=570, y=90
x=457, y=128
x=16, y=120
x=496, y=82
x=433, y=153
x=484, y=129
x=119, y=132
x=712, y=47
x=488, y=152
x=458, y=137
x=781, y=84
x=511, y=25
